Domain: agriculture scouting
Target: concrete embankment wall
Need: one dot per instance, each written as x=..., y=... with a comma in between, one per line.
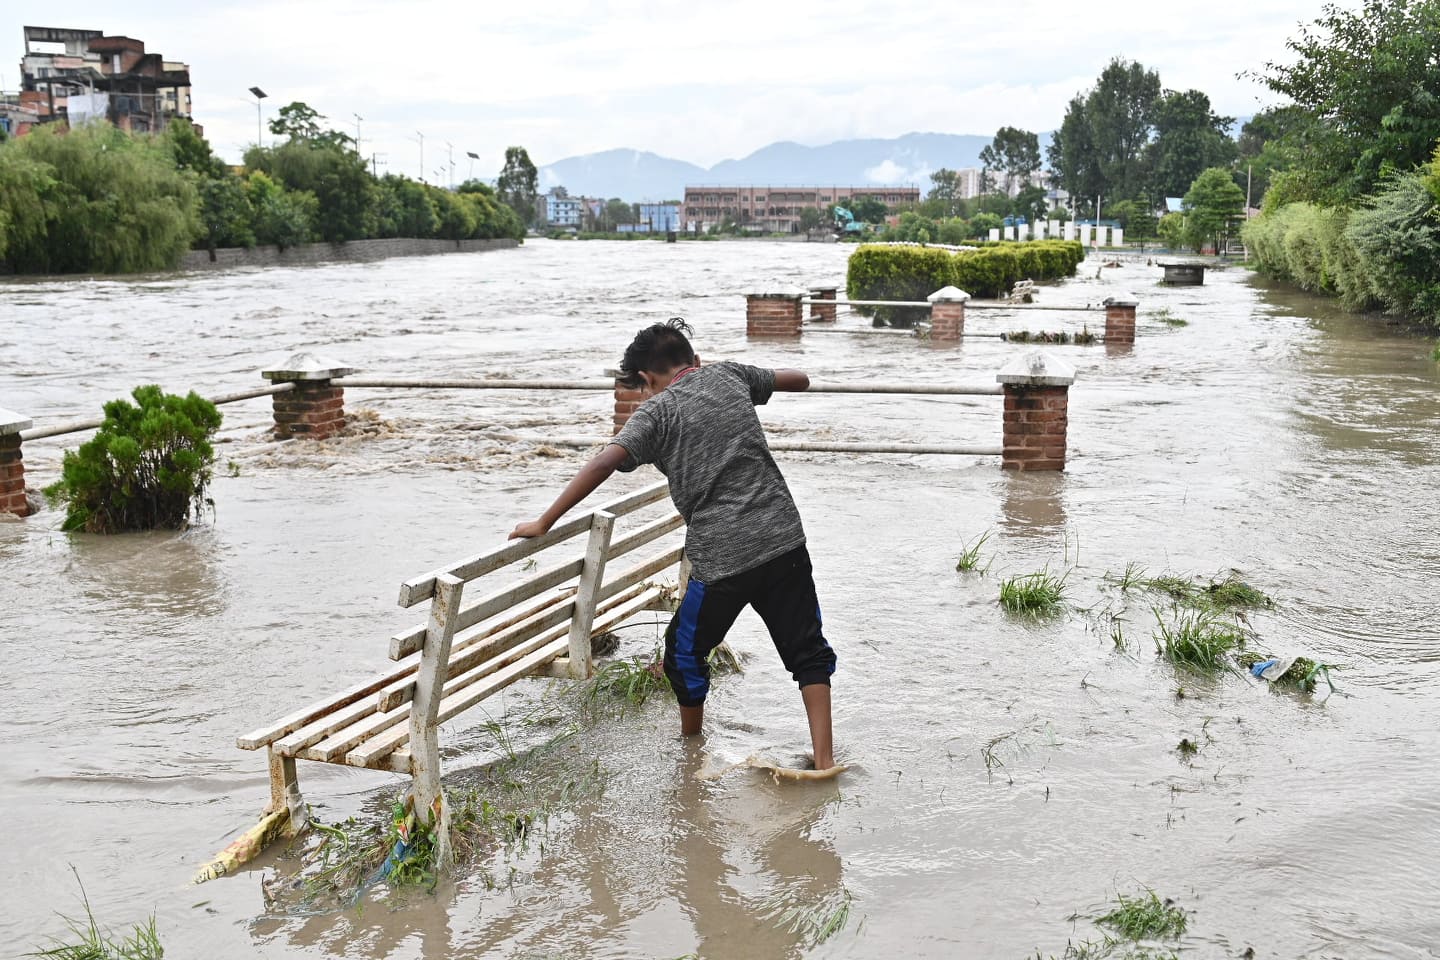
x=356, y=251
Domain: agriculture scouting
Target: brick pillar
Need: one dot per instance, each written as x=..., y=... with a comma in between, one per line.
x=774, y=314
x=12, y=465
x=316, y=407
x=627, y=401
x=947, y=314
x=1037, y=412
x=1120, y=320
x=822, y=312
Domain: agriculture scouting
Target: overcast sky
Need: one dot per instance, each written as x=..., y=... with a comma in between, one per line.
x=700, y=82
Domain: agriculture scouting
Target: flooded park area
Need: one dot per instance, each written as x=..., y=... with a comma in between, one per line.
x=1009, y=775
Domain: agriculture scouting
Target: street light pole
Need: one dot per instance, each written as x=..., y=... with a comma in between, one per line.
x=422, y=155
x=259, y=95
x=473, y=157
x=451, y=148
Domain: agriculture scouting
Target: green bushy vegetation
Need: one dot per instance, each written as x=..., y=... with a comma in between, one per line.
x=878, y=272
x=98, y=200
x=93, y=200
x=1383, y=253
x=147, y=467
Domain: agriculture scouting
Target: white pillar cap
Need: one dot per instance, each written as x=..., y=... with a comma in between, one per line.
x=948, y=295
x=1035, y=369
x=306, y=366
x=12, y=422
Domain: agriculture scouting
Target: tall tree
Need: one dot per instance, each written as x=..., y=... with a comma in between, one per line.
x=1370, y=79
x=1015, y=154
x=1072, y=155
x=517, y=184
x=945, y=191
x=1120, y=111
x=1189, y=138
x=1270, y=142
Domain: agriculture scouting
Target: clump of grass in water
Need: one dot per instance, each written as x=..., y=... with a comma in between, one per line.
x=1145, y=917
x=1132, y=578
x=814, y=922
x=1198, y=640
x=1036, y=593
x=1230, y=593
x=970, y=556
x=92, y=943
x=630, y=680
x=1165, y=316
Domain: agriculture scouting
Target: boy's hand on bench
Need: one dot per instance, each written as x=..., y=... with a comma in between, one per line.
x=531, y=528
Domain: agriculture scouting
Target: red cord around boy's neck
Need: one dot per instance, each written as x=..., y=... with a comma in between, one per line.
x=676, y=379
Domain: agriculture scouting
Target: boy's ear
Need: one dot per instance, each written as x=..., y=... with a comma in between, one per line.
x=696, y=361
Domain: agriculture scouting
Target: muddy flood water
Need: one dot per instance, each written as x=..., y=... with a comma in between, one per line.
x=1010, y=776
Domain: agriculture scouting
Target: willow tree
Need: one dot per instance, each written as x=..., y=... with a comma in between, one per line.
x=94, y=200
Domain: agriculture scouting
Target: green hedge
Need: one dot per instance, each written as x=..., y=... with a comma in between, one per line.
x=878, y=272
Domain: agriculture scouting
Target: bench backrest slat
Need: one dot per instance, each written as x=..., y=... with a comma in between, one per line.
x=423, y=587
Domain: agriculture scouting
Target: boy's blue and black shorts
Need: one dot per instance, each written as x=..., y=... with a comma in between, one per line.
x=782, y=591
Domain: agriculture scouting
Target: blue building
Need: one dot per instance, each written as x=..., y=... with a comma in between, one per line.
x=559, y=211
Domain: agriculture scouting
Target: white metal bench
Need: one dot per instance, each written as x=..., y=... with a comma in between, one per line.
x=541, y=625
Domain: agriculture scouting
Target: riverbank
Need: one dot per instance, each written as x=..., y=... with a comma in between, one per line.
x=356, y=251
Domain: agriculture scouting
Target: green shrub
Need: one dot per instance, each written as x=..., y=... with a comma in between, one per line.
x=913, y=273
x=147, y=467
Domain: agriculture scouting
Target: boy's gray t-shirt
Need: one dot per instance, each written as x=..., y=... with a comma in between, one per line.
x=703, y=434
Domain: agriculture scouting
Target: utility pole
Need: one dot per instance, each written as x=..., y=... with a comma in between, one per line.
x=375, y=165
x=422, y=155
x=358, y=118
x=451, y=147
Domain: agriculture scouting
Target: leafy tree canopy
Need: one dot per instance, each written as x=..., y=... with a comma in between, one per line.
x=1369, y=82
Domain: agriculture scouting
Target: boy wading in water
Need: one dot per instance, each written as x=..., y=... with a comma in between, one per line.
x=744, y=538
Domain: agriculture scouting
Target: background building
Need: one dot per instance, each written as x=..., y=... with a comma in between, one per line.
x=654, y=218
x=559, y=210
x=78, y=75
x=776, y=209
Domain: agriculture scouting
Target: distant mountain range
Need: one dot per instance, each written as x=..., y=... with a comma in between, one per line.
x=636, y=175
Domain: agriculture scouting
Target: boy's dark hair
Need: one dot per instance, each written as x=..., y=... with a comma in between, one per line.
x=658, y=348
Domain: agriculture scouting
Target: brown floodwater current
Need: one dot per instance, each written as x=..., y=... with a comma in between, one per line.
x=1010, y=776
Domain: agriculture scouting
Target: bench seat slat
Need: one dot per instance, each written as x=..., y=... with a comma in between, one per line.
x=467, y=693
x=320, y=720
x=404, y=689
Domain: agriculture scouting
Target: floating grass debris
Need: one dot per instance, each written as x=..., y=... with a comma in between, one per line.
x=1082, y=338
x=813, y=922
x=494, y=815
x=1108, y=948
x=1145, y=917
x=1198, y=640
x=1036, y=594
x=631, y=681
x=1166, y=316
x=970, y=556
x=1303, y=674
x=1227, y=593
x=92, y=943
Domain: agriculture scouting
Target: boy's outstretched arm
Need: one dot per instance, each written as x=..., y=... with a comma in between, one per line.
x=594, y=473
x=791, y=381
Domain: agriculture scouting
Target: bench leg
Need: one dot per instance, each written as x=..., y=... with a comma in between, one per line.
x=285, y=790
x=428, y=794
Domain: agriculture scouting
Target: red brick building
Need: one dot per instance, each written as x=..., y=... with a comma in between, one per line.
x=776, y=209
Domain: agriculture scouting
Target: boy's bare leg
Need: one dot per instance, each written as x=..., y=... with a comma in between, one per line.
x=816, y=697
x=690, y=720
